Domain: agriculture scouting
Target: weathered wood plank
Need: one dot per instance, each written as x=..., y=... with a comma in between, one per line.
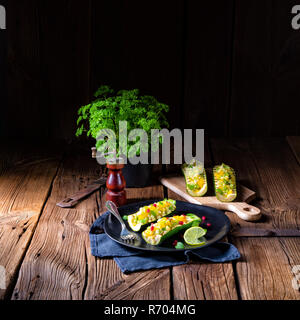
x=127, y=63
x=269, y=168
x=23, y=193
x=207, y=96
x=152, y=285
x=265, y=68
x=266, y=269
x=23, y=77
x=294, y=143
x=278, y=170
x=203, y=281
x=55, y=265
x=59, y=264
x=65, y=51
x=16, y=153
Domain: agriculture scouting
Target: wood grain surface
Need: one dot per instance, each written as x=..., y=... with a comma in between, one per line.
x=55, y=266
x=156, y=57
x=268, y=167
x=23, y=192
x=266, y=269
x=207, y=96
x=216, y=65
x=265, y=70
x=46, y=249
x=294, y=143
x=203, y=281
x=61, y=243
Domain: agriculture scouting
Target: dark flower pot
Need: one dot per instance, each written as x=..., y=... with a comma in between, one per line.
x=138, y=176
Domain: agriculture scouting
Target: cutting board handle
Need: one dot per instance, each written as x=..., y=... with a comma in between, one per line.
x=245, y=211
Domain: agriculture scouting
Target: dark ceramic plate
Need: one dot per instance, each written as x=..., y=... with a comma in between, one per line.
x=220, y=226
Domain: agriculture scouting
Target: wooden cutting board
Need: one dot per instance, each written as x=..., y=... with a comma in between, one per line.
x=240, y=207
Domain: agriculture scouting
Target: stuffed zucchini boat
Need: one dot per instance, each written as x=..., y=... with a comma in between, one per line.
x=225, y=183
x=195, y=178
x=151, y=213
x=165, y=228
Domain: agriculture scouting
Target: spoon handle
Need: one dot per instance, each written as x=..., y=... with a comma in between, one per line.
x=111, y=207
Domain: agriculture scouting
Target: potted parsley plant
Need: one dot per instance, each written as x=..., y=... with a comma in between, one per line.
x=139, y=111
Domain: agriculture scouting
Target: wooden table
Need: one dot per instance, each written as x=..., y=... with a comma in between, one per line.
x=46, y=251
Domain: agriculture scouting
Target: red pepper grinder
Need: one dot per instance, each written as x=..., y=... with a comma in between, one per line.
x=116, y=183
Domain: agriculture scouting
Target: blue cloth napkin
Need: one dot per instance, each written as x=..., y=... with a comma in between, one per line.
x=130, y=260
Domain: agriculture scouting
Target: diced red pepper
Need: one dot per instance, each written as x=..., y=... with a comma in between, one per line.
x=209, y=225
x=152, y=227
x=148, y=210
x=181, y=223
x=175, y=243
x=203, y=218
x=155, y=205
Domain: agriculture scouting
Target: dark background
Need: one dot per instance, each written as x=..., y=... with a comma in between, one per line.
x=231, y=67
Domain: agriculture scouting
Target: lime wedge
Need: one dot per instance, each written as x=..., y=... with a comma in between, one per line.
x=192, y=236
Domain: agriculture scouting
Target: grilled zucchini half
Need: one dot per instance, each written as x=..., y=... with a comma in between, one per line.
x=195, y=178
x=225, y=183
x=166, y=228
x=151, y=213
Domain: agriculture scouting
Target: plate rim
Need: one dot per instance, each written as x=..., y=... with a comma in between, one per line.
x=168, y=250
